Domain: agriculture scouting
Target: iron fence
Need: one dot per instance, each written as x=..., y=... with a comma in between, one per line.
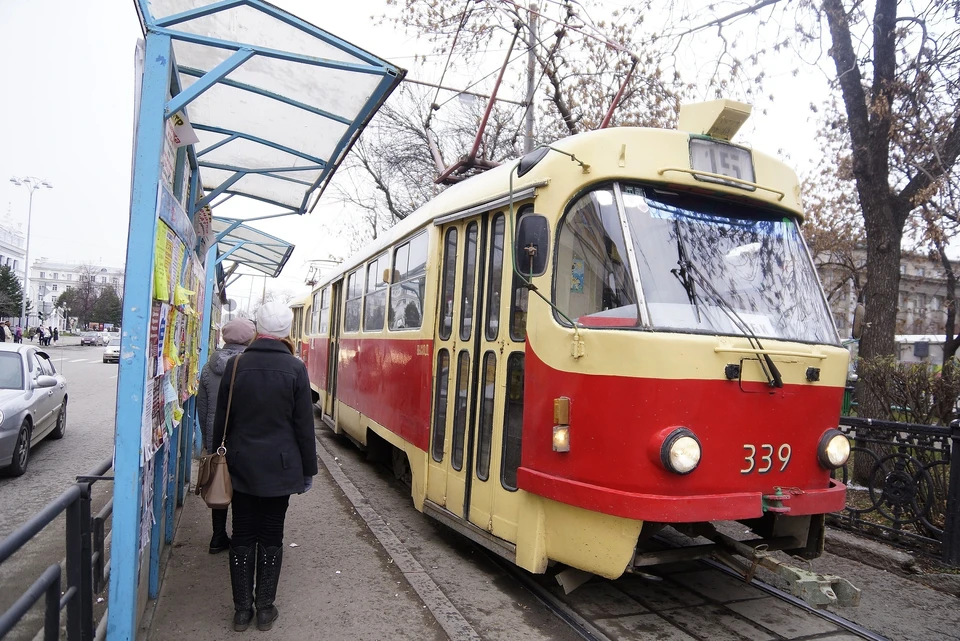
x=84, y=565
x=903, y=485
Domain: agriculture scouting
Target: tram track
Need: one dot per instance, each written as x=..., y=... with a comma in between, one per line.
x=590, y=631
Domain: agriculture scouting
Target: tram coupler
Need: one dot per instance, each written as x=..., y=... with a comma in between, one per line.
x=817, y=590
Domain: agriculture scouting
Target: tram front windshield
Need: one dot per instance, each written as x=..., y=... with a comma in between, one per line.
x=705, y=265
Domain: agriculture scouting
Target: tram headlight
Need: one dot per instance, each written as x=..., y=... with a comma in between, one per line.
x=680, y=452
x=834, y=449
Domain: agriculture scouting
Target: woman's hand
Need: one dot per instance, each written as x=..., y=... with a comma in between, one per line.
x=307, y=483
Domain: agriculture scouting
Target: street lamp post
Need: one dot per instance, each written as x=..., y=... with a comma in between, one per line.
x=32, y=184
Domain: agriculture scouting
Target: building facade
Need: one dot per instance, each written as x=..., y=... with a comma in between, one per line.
x=49, y=279
x=12, y=247
x=922, y=301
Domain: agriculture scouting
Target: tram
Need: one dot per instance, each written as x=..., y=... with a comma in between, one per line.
x=619, y=332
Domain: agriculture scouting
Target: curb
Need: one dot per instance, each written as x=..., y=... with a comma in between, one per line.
x=883, y=557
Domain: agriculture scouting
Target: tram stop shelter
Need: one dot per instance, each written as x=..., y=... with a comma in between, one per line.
x=235, y=99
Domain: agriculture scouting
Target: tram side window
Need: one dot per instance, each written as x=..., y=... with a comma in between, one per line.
x=518, y=301
x=351, y=314
x=469, y=282
x=324, y=314
x=448, y=288
x=592, y=282
x=376, y=298
x=495, y=283
x=408, y=284
x=485, y=436
x=315, y=314
x=440, y=404
x=512, y=422
x=460, y=410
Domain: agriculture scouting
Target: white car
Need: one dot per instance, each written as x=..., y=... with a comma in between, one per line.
x=111, y=353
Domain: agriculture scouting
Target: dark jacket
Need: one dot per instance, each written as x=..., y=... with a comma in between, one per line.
x=271, y=444
x=210, y=377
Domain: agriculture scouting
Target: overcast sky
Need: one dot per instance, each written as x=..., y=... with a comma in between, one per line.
x=67, y=112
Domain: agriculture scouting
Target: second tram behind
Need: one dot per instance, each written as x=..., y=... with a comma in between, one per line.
x=617, y=333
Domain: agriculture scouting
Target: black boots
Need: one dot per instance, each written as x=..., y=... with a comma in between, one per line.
x=220, y=540
x=269, y=561
x=242, y=565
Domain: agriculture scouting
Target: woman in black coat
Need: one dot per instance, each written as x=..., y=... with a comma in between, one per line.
x=271, y=454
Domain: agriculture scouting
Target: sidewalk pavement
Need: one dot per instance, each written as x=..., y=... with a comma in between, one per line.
x=337, y=582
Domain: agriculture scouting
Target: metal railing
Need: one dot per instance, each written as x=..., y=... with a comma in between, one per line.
x=903, y=485
x=84, y=565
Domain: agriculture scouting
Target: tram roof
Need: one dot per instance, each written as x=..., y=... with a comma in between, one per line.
x=599, y=149
x=275, y=102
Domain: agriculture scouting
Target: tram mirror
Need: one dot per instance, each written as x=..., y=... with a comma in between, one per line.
x=532, y=245
x=391, y=276
x=857, y=330
x=530, y=161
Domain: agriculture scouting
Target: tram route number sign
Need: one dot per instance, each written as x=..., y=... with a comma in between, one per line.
x=723, y=159
x=763, y=458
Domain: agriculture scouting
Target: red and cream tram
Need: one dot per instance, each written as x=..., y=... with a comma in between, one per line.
x=617, y=333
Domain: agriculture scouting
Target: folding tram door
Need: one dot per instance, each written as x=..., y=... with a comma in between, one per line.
x=333, y=352
x=471, y=362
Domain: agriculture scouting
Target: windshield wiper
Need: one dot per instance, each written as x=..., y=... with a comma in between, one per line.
x=689, y=274
x=681, y=272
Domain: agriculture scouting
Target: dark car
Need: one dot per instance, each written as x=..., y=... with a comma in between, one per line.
x=89, y=338
x=33, y=403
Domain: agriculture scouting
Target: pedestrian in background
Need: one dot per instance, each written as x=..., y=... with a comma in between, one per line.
x=56, y=335
x=18, y=334
x=271, y=454
x=236, y=334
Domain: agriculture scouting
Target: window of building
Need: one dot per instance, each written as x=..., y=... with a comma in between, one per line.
x=903, y=269
x=56, y=276
x=408, y=283
x=43, y=274
x=69, y=276
x=921, y=272
x=54, y=287
x=921, y=301
x=103, y=279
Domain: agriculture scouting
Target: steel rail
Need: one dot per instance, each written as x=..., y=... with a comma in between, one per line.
x=836, y=619
x=565, y=613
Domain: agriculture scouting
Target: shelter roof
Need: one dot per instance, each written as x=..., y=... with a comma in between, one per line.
x=251, y=247
x=275, y=102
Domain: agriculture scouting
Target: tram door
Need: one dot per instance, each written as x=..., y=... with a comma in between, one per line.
x=333, y=351
x=455, y=367
x=470, y=373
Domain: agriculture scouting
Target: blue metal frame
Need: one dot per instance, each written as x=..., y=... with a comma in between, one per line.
x=137, y=301
x=207, y=80
x=190, y=71
x=252, y=138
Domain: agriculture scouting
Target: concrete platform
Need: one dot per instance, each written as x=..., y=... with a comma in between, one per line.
x=337, y=581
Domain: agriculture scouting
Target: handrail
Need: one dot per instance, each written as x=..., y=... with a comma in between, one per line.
x=720, y=177
x=77, y=598
x=770, y=352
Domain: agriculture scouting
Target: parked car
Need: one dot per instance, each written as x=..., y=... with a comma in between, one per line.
x=89, y=338
x=111, y=353
x=33, y=403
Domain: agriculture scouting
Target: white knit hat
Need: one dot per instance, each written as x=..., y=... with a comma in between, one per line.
x=274, y=319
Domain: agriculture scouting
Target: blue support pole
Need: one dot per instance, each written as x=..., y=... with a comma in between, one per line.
x=209, y=282
x=170, y=500
x=137, y=301
x=208, y=79
x=159, y=485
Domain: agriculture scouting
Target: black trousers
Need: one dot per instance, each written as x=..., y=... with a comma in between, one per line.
x=258, y=519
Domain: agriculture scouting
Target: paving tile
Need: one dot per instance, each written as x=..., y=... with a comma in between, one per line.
x=718, y=586
x=717, y=623
x=601, y=599
x=644, y=626
x=659, y=595
x=783, y=618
